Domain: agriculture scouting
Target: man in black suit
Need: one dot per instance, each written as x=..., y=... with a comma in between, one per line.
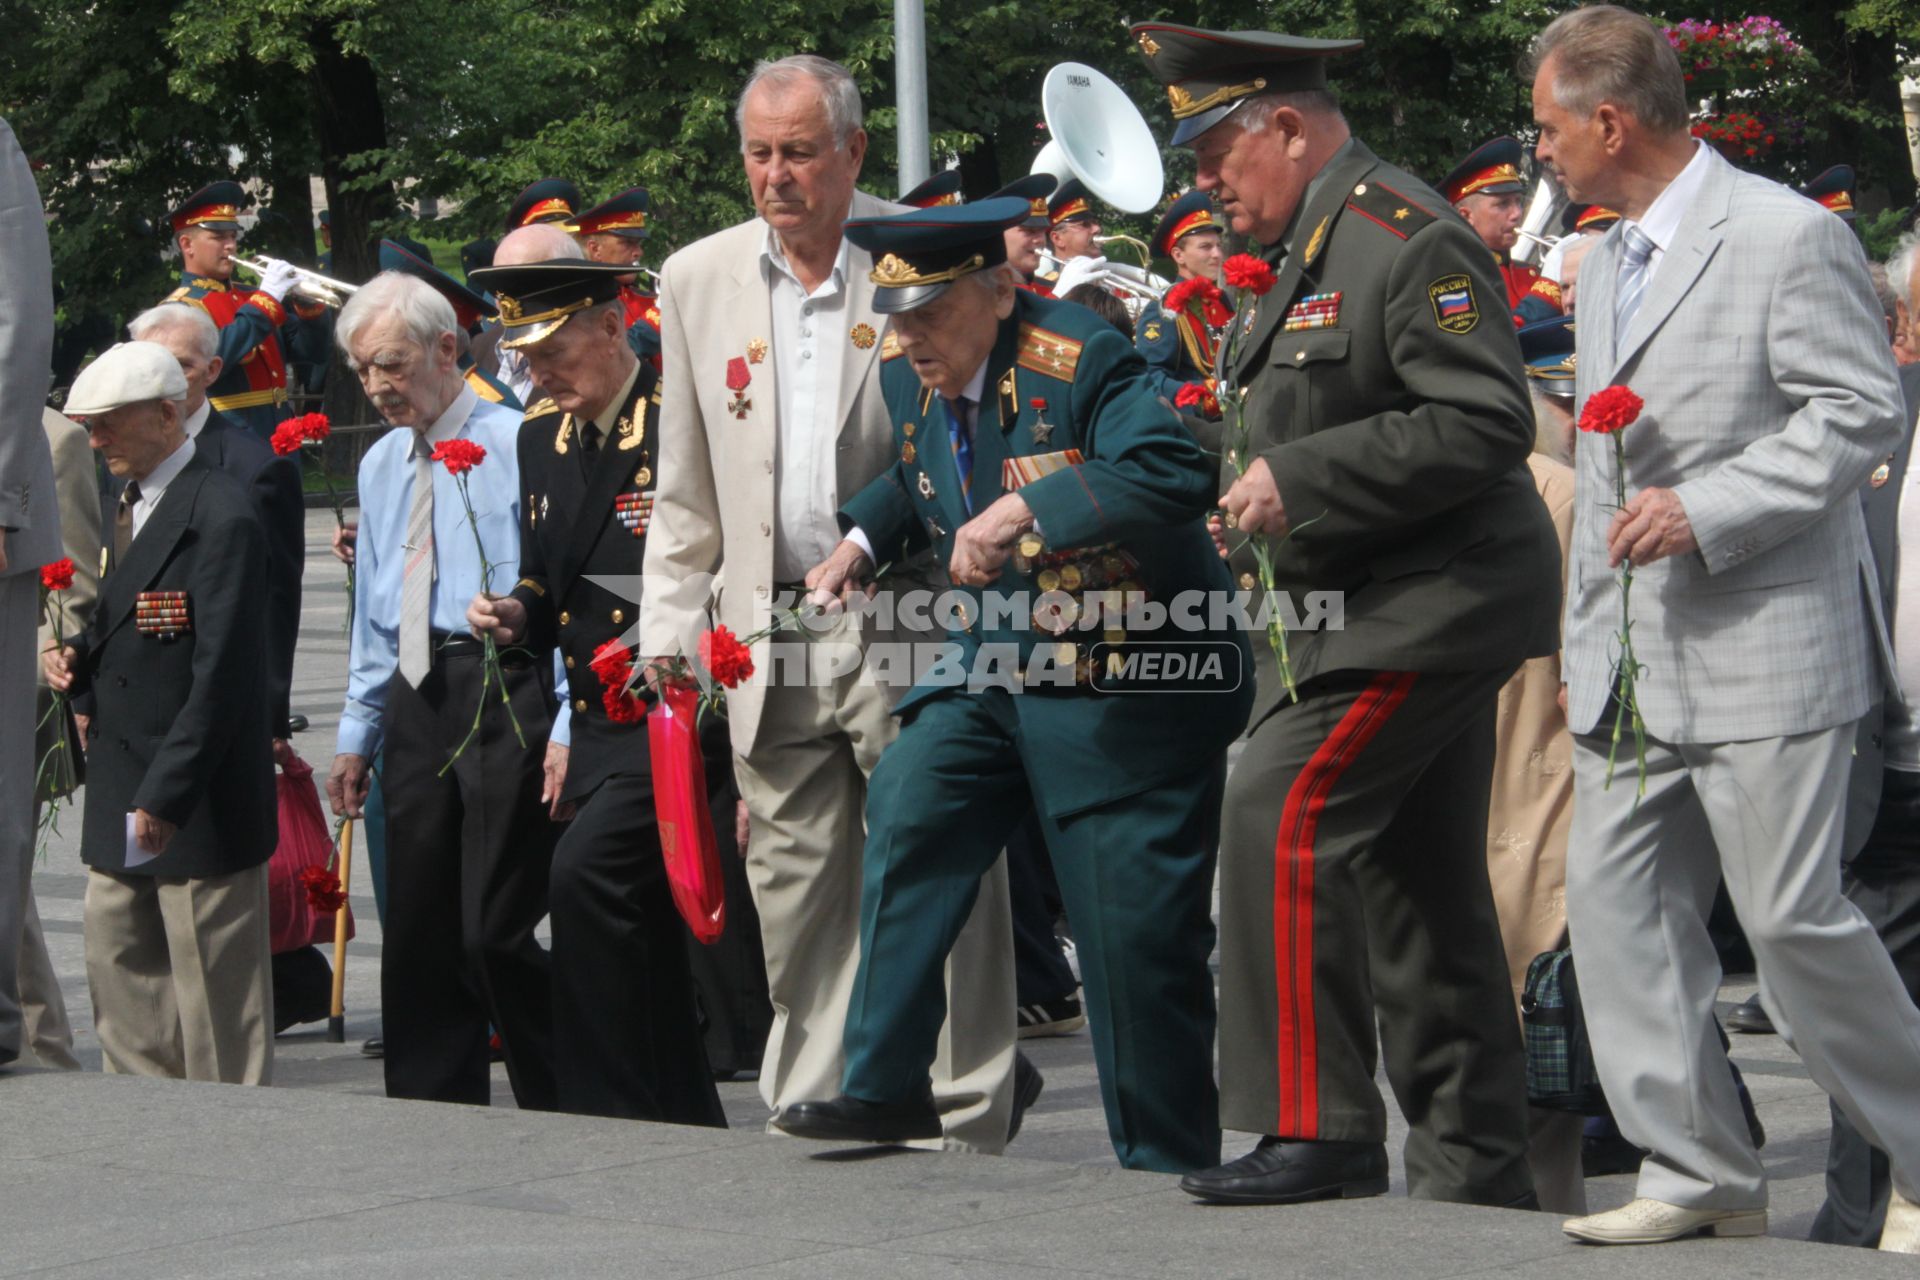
x=302, y=979
x=625, y=1028
x=180, y=816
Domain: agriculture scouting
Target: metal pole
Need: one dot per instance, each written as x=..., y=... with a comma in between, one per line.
x=910, y=89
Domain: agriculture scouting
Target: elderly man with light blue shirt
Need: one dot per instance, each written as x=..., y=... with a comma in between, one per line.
x=469, y=797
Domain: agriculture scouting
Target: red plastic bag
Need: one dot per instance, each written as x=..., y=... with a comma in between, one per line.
x=305, y=841
x=680, y=805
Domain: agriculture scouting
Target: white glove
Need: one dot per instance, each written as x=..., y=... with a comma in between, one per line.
x=1077, y=271
x=279, y=280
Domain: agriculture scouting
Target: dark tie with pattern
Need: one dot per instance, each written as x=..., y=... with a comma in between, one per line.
x=123, y=519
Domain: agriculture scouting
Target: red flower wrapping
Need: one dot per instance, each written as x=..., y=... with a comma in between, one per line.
x=622, y=707
x=737, y=375
x=722, y=654
x=1188, y=291
x=459, y=456
x=57, y=576
x=287, y=438
x=1610, y=409
x=324, y=893
x=1244, y=271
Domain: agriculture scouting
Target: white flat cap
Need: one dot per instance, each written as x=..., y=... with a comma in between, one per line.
x=126, y=374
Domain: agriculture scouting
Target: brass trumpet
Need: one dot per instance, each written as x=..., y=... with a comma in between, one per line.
x=312, y=286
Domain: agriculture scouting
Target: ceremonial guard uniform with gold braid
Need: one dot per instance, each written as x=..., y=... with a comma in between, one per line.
x=625, y=216
x=1493, y=169
x=1178, y=348
x=1383, y=393
x=625, y=1024
x=1127, y=788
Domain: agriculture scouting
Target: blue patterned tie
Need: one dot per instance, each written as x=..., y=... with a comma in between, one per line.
x=1630, y=284
x=962, y=441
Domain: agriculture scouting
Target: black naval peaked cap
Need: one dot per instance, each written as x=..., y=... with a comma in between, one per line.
x=535, y=298
x=918, y=255
x=1207, y=73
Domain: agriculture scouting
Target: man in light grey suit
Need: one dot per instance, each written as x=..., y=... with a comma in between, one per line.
x=1744, y=316
x=29, y=538
x=770, y=417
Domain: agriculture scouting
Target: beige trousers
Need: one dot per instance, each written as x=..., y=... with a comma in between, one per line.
x=181, y=976
x=822, y=730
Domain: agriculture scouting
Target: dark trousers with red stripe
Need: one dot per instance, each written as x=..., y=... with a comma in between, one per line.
x=1353, y=883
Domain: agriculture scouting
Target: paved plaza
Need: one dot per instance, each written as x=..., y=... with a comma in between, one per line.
x=321, y=1175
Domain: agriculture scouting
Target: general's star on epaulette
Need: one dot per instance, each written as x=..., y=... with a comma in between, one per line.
x=1401, y=214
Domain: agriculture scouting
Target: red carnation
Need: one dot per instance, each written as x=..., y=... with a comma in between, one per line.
x=287, y=438
x=1244, y=271
x=1188, y=291
x=324, y=893
x=622, y=707
x=313, y=427
x=722, y=654
x=1217, y=312
x=459, y=456
x=612, y=662
x=1610, y=409
x=57, y=576
x=1194, y=395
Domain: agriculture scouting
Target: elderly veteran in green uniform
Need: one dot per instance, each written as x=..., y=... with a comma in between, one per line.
x=1040, y=465
x=1181, y=348
x=1389, y=436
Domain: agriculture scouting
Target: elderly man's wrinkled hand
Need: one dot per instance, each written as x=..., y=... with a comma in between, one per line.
x=1652, y=526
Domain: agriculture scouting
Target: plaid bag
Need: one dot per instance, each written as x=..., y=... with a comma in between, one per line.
x=1560, y=1070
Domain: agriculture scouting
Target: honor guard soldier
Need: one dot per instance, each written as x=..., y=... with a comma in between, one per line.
x=256, y=329
x=616, y=231
x=1027, y=237
x=552, y=200
x=1180, y=348
x=942, y=188
x=1488, y=190
x=626, y=1032
x=1038, y=464
x=1388, y=429
x=1833, y=190
x=470, y=311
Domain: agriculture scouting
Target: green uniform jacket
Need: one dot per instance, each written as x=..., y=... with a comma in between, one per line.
x=1128, y=517
x=1401, y=431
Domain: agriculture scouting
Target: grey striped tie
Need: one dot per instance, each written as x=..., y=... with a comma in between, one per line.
x=416, y=575
x=1630, y=285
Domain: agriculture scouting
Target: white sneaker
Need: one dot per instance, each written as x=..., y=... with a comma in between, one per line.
x=1902, y=1232
x=1656, y=1222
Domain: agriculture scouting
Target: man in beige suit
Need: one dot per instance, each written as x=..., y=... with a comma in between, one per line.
x=771, y=415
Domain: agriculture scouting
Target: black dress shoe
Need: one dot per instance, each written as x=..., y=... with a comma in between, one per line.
x=1282, y=1171
x=1027, y=1083
x=1750, y=1018
x=374, y=1047
x=850, y=1119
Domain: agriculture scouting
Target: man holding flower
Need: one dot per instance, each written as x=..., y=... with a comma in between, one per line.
x=1378, y=428
x=464, y=733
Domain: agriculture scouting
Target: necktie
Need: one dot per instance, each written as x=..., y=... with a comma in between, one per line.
x=590, y=440
x=416, y=575
x=961, y=440
x=123, y=519
x=1630, y=285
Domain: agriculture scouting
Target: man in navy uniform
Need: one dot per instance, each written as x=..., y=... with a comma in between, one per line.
x=1036, y=461
x=1180, y=348
x=257, y=334
x=626, y=1032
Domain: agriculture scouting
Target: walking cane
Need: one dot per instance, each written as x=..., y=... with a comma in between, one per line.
x=337, y=1015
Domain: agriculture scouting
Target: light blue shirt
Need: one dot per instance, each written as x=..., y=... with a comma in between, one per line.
x=386, y=499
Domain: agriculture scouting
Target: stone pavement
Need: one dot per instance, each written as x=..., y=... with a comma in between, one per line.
x=109, y=1176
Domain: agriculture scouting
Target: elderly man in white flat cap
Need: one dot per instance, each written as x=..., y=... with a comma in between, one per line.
x=180, y=817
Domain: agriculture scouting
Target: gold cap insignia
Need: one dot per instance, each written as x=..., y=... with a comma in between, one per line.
x=1148, y=45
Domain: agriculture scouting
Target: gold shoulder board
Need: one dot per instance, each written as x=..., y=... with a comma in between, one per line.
x=1046, y=352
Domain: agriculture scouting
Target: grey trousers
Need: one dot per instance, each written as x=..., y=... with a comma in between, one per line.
x=19, y=602
x=1767, y=814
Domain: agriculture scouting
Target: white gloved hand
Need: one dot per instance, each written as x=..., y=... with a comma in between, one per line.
x=279, y=280
x=1077, y=271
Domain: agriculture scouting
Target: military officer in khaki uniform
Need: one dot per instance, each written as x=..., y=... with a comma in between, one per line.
x=1390, y=429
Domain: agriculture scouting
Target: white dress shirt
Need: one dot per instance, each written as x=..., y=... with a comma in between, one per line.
x=810, y=338
x=156, y=484
x=1661, y=222
x=198, y=419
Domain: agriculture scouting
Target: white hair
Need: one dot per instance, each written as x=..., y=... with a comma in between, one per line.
x=420, y=306
x=834, y=82
x=172, y=317
x=1900, y=267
